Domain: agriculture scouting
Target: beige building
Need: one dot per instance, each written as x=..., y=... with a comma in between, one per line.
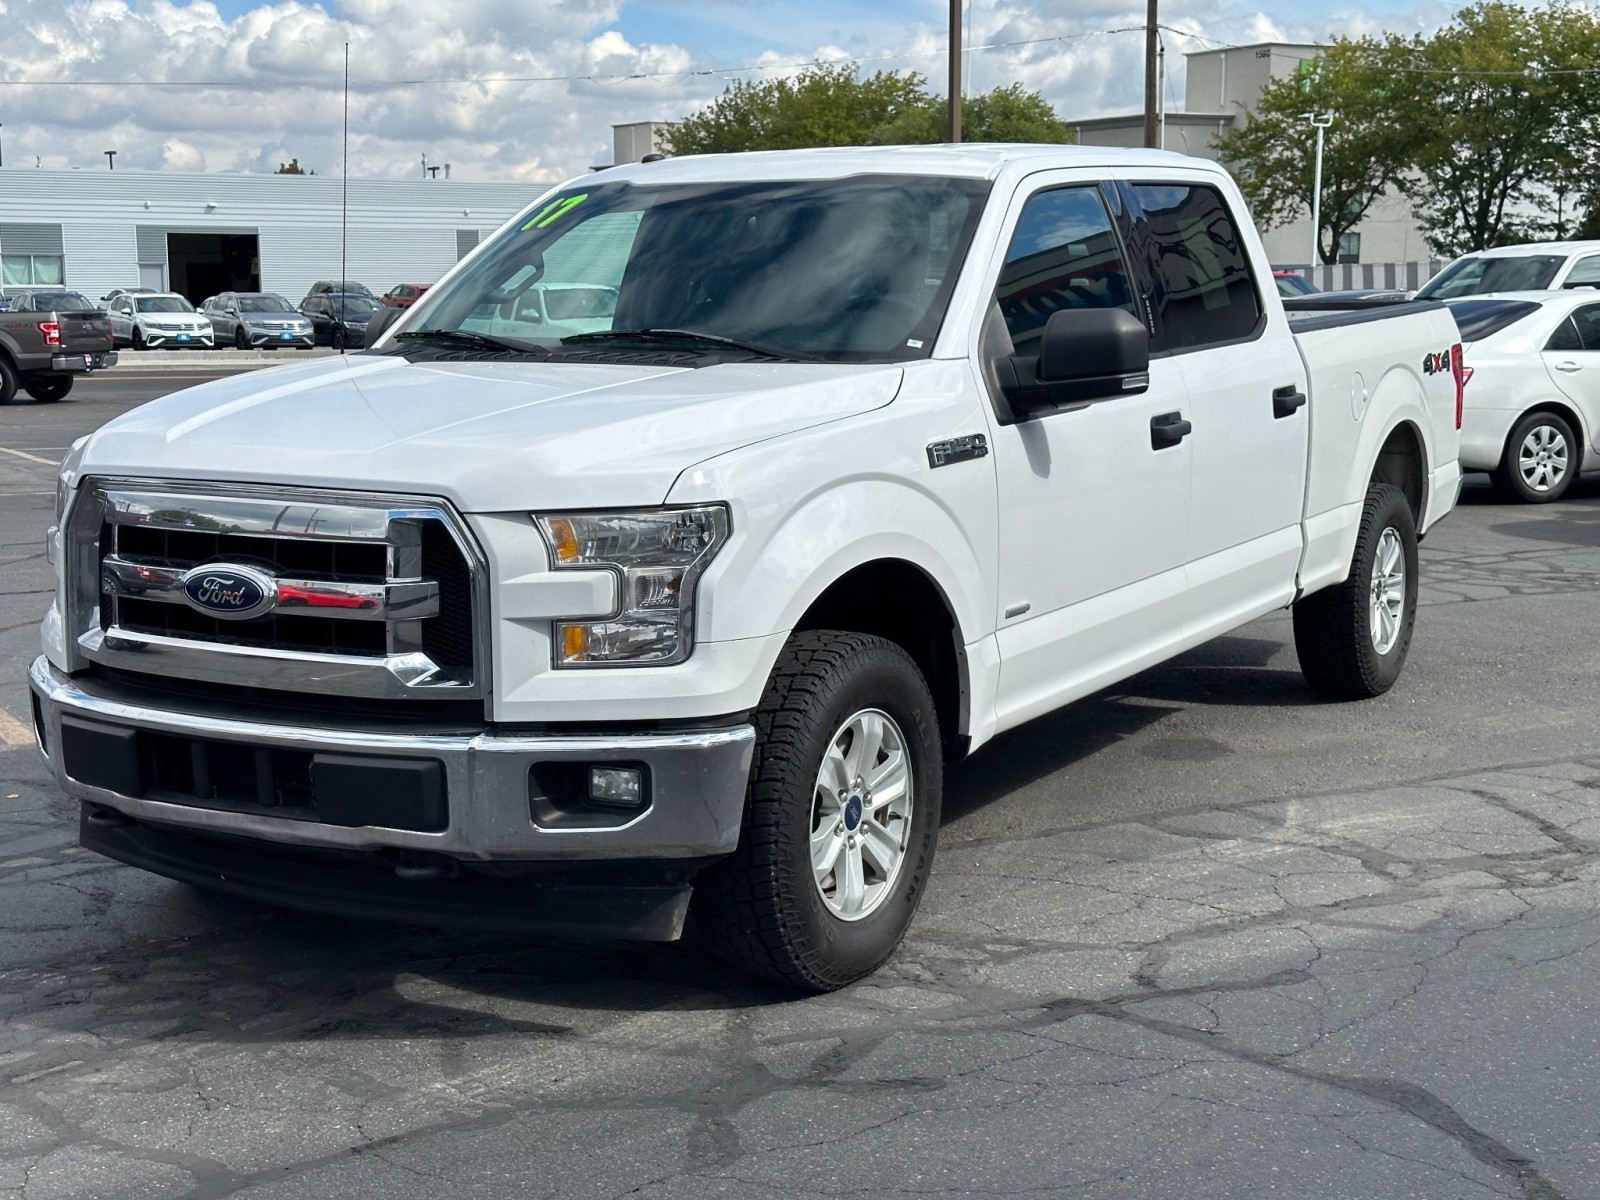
x=1220, y=90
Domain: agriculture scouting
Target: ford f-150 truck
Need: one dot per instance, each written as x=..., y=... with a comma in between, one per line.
x=679, y=601
x=49, y=336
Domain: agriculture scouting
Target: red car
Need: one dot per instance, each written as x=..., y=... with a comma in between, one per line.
x=404, y=295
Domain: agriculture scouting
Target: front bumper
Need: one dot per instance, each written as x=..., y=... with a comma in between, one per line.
x=493, y=831
x=205, y=339
x=262, y=339
x=64, y=364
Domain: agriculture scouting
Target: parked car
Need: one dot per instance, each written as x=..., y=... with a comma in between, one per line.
x=1292, y=283
x=1533, y=410
x=1534, y=266
x=879, y=455
x=323, y=287
x=258, y=319
x=339, y=319
x=404, y=295
x=49, y=336
x=151, y=320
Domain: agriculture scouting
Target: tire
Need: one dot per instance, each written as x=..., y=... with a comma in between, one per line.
x=1540, y=461
x=336, y=340
x=49, y=388
x=1348, y=650
x=240, y=342
x=765, y=908
x=138, y=339
x=8, y=380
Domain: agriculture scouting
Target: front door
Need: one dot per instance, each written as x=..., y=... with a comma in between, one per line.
x=1094, y=519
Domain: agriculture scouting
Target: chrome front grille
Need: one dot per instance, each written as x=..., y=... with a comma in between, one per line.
x=352, y=595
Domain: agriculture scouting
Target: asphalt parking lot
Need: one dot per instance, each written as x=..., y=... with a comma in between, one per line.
x=1200, y=935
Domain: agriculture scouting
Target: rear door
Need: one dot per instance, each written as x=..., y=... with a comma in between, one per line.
x=1094, y=518
x=1246, y=388
x=1572, y=357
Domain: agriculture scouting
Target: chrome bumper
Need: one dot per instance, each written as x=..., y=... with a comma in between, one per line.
x=697, y=781
x=97, y=361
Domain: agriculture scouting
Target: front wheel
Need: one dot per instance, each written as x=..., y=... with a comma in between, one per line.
x=138, y=339
x=1540, y=460
x=240, y=341
x=337, y=340
x=841, y=816
x=49, y=387
x=1352, y=638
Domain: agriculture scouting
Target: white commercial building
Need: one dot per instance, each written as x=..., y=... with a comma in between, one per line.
x=204, y=234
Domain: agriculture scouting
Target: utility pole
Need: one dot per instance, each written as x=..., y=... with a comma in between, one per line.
x=1319, y=121
x=1150, y=75
x=111, y=160
x=1161, y=94
x=955, y=69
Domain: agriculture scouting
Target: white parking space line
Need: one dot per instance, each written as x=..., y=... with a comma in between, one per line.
x=13, y=732
x=47, y=462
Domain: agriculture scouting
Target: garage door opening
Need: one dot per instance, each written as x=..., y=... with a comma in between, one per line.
x=199, y=265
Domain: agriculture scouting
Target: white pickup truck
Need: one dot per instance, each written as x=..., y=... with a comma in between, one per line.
x=588, y=621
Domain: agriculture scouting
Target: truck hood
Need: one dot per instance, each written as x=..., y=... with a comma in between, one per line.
x=489, y=437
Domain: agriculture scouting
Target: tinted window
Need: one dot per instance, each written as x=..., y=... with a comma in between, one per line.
x=1585, y=273
x=1475, y=276
x=264, y=303
x=1477, y=319
x=1203, y=289
x=164, y=304
x=1580, y=331
x=1063, y=255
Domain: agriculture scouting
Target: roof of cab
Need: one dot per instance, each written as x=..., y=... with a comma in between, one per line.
x=969, y=160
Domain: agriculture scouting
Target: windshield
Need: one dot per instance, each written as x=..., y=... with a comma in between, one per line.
x=339, y=302
x=272, y=304
x=60, y=302
x=856, y=269
x=163, y=304
x=1475, y=276
x=1294, y=285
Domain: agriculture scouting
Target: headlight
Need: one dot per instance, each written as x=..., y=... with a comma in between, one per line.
x=66, y=482
x=659, y=556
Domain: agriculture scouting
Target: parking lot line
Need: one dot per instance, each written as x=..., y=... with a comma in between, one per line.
x=13, y=732
x=30, y=457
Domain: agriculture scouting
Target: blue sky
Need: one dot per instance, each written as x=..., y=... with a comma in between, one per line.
x=282, y=62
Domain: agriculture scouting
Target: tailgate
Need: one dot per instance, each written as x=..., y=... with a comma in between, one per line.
x=82, y=332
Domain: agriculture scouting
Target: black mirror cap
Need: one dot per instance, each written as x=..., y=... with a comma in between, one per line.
x=381, y=320
x=1089, y=343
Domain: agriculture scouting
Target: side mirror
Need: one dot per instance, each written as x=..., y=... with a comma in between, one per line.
x=1085, y=354
x=381, y=320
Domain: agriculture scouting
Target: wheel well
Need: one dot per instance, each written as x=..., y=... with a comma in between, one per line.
x=1566, y=414
x=895, y=600
x=1402, y=463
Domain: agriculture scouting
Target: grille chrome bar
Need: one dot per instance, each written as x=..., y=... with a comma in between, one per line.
x=401, y=601
x=128, y=543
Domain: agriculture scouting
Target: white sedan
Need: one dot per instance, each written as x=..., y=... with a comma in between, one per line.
x=1533, y=403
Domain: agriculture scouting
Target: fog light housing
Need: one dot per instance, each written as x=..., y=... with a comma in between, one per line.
x=617, y=787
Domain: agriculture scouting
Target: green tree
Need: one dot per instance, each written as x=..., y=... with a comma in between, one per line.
x=828, y=105
x=1507, y=102
x=292, y=167
x=1365, y=151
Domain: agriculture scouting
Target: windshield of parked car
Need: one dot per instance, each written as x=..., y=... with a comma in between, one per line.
x=853, y=269
x=1294, y=285
x=354, y=305
x=264, y=304
x=60, y=302
x=1475, y=276
x=163, y=304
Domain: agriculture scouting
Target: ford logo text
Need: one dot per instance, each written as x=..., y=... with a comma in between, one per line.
x=231, y=592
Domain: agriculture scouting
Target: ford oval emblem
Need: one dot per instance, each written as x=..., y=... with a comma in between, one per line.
x=229, y=591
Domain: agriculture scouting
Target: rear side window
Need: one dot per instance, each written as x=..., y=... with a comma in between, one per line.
x=1477, y=319
x=1585, y=273
x=1580, y=331
x=1203, y=289
x=1063, y=255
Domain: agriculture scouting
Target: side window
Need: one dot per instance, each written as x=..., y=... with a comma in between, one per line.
x=1062, y=255
x=1587, y=319
x=1204, y=292
x=1566, y=336
x=1585, y=273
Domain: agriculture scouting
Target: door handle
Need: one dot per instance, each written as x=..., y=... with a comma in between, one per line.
x=1286, y=400
x=1568, y=365
x=1168, y=429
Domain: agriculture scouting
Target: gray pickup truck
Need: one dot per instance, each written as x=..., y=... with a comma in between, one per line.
x=49, y=336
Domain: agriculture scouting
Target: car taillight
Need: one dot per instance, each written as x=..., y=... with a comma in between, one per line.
x=1462, y=372
x=51, y=331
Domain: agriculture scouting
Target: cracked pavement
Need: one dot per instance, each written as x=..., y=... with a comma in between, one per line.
x=1198, y=936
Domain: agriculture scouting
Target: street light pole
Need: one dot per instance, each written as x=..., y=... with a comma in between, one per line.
x=1319, y=121
x=955, y=70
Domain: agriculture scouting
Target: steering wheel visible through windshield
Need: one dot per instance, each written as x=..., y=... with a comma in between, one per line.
x=846, y=270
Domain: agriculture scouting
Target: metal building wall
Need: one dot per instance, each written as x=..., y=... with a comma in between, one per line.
x=399, y=231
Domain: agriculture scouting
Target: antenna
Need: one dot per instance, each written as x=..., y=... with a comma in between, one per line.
x=344, y=202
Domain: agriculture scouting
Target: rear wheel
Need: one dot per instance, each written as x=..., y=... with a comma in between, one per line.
x=8, y=380
x=1540, y=460
x=1352, y=638
x=841, y=816
x=49, y=387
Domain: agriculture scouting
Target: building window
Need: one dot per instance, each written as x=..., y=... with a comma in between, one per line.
x=1349, y=247
x=32, y=270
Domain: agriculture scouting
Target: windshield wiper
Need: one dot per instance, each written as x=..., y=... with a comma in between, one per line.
x=464, y=337
x=685, y=335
